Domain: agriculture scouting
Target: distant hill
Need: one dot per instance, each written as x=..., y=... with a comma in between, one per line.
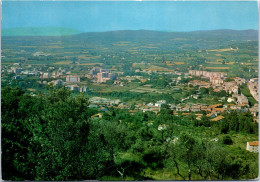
x=135, y=39
x=39, y=31
x=131, y=35
x=165, y=40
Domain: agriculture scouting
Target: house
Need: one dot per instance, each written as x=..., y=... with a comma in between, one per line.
x=150, y=104
x=195, y=108
x=186, y=109
x=83, y=89
x=218, y=110
x=46, y=75
x=252, y=146
x=230, y=99
x=218, y=118
x=162, y=127
x=160, y=102
x=216, y=106
x=178, y=108
x=198, y=116
x=216, y=80
x=58, y=82
x=150, y=123
x=73, y=87
x=206, y=108
x=242, y=100
x=16, y=70
x=211, y=115
x=18, y=77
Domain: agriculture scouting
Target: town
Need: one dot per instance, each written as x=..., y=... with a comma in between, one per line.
x=162, y=109
x=234, y=99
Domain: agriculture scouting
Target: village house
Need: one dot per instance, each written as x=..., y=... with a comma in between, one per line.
x=159, y=103
x=252, y=146
x=206, y=108
x=162, y=127
x=186, y=109
x=230, y=87
x=57, y=82
x=46, y=75
x=73, y=87
x=230, y=99
x=178, y=108
x=83, y=89
x=16, y=70
x=195, y=108
x=239, y=81
x=216, y=80
x=218, y=118
x=242, y=100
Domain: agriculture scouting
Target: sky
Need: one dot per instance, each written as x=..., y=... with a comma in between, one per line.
x=89, y=16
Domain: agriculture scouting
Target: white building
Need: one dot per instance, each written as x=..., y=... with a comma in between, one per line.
x=46, y=75
x=73, y=79
x=252, y=146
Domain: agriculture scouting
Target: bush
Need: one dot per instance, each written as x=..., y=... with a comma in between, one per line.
x=227, y=140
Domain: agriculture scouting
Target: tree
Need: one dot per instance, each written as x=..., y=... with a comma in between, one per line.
x=227, y=140
x=51, y=135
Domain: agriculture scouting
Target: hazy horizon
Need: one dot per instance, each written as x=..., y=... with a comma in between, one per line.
x=99, y=16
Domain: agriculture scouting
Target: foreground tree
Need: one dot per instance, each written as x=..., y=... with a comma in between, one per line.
x=50, y=134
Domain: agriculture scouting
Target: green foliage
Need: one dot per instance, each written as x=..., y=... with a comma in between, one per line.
x=238, y=121
x=51, y=134
x=55, y=140
x=227, y=140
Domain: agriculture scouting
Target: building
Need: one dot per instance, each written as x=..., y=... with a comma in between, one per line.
x=104, y=76
x=95, y=70
x=162, y=127
x=58, y=82
x=160, y=102
x=242, y=100
x=73, y=79
x=218, y=118
x=206, y=73
x=216, y=80
x=74, y=87
x=46, y=75
x=195, y=108
x=252, y=146
x=83, y=89
x=16, y=70
x=253, y=87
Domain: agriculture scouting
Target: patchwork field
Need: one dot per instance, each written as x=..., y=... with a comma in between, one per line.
x=63, y=62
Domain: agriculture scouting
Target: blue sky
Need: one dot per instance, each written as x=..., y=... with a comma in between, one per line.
x=90, y=16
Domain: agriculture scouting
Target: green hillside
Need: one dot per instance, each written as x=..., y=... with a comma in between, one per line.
x=39, y=31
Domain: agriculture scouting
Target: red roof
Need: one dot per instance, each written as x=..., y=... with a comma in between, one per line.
x=254, y=143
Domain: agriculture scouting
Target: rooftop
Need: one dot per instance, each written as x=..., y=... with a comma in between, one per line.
x=254, y=143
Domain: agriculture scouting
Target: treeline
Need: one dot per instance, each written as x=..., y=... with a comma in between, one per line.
x=238, y=122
